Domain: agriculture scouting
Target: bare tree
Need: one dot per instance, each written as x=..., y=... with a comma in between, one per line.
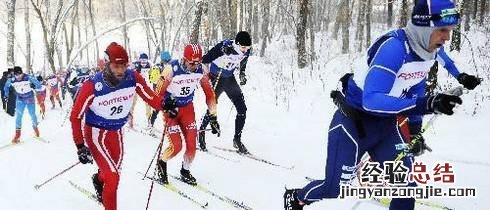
x=404, y=13
x=265, y=26
x=28, y=36
x=89, y=6
x=389, y=20
x=345, y=21
x=361, y=17
x=456, y=37
x=301, y=33
x=122, y=4
x=369, y=9
x=197, y=23
x=10, y=32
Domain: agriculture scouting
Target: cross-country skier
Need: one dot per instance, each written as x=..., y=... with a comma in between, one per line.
x=25, y=98
x=143, y=66
x=105, y=102
x=392, y=84
x=75, y=79
x=226, y=57
x=53, y=82
x=41, y=95
x=179, y=81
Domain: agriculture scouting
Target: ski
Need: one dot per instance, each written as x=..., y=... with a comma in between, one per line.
x=223, y=198
x=145, y=132
x=218, y=156
x=10, y=145
x=253, y=157
x=41, y=139
x=174, y=189
x=386, y=201
x=86, y=192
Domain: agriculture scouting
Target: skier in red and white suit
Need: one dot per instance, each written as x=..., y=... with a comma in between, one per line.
x=105, y=101
x=177, y=85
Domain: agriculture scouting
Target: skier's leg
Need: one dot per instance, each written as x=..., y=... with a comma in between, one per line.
x=31, y=108
x=175, y=141
x=236, y=96
x=188, y=125
x=107, y=149
x=19, y=113
x=343, y=155
x=386, y=150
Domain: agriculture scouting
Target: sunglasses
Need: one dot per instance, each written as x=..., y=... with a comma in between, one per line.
x=193, y=63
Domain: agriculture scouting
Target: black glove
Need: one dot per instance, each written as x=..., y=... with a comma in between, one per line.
x=468, y=81
x=84, y=154
x=243, y=78
x=227, y=49
x=418, y=145
x=443, y=103
x=169, y=104
x=214, y=125
x=172, y=113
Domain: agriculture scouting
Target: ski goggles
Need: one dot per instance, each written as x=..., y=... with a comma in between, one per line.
x=193, y=63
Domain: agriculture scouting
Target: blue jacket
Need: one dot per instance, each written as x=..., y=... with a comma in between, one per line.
x=22, y=87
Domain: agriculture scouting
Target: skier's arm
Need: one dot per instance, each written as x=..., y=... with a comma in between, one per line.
x=208, y=91
x=7, y=87
x=447, y=62
x=380, y=79
x=35, y=82
x=164, y=81
x=81, y=104
x=213, y=54
x=146, y=93
x=243, y=63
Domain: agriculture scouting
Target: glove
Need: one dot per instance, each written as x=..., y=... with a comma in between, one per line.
x=214, y=125
x=84, y=154
x=443, y=103
x=418, y=146
x=227, y=47
x=468, y=81
x=173, y=113
x=169, y=104
x=243, y=78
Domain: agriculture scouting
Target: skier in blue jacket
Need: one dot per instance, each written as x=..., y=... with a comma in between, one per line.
x=25, y=98
x=392, y=84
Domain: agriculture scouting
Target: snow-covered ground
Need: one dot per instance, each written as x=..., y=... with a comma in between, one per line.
x=289, y=111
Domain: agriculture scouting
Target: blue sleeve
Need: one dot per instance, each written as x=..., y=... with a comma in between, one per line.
x=213, y=54
x=35, y=82
x=7, y=87
x=447, y=62
x=386, y=62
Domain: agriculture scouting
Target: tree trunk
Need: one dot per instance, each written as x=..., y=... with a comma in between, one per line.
x=28, y=37
x=85, y=23
x=404, y=14
x=197, y=23
x=483, y=9
x=432, y=79
x=466, y=15
x=369, y=9
x=265, y=25
x=162, y=26
x=10, y=32
x=456, y=37
x=345, y=26
x=389, y=21
x=301, y=33
x=122, y=4
x=255, y=17
x=311, y=25
x=361, y=17
x=233, y=17
x=92, y=22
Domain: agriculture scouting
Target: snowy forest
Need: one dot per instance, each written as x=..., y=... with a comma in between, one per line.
x=300, y=49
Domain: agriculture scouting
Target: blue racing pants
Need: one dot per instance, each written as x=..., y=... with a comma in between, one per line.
x=21, y=104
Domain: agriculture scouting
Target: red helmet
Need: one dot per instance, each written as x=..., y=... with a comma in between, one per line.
x=193, y=52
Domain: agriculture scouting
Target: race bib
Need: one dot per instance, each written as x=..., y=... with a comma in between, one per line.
x=114, y=105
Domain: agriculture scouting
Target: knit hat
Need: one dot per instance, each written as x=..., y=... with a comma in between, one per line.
x=193, y=52
x=116, y=53
x=243, y=38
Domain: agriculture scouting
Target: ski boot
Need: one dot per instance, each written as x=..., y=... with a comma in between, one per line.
x=291, y=201
x=98, y=185
x=162, y=172
x=36, y=132
x=187, y=177
x=202, y=142
x=16, y=138
x=237, y=143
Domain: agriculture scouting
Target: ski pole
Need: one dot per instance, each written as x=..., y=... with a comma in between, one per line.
x=157, y=152
x=62, y=172
x=457, y=91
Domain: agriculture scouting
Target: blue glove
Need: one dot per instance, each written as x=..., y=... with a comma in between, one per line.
x=227, y=47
